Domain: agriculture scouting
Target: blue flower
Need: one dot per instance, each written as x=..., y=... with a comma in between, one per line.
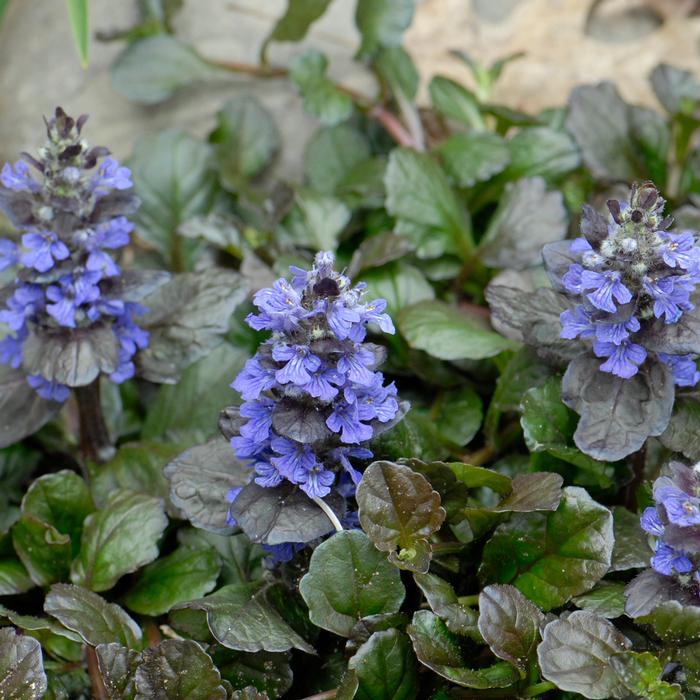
x=253, y=379
x=683, y=368
x=671, y=297
x=607, y=286
x=300, y=362
x=43, y=248
x=259, y=414
x=577, y=323
x=651, y=522
x=678, y=249
x=669, y=561
x=292, y=458
x=324, y=382
x=316, y=482
x=681, y=508
x=623, y=359
x=267, y=475
x=9, y=255
x=344, y=419
x=48, y=390
x=110, y=175
x=615, y=332
x=18, y=177
x=572, y=279
x=25, y=303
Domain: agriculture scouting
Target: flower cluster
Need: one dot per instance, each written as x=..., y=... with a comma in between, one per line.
x=70, y=204
x=629, y=274
x=674, y=523
x=311, y=394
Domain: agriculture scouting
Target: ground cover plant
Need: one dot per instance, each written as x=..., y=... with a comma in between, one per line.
x=422, y=424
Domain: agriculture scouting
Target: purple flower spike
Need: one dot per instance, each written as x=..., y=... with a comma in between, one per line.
x=43, y=249
x=623, y=360
x=607, y=287
x=668, y=561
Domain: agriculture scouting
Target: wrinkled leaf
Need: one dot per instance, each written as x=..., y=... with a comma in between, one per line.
x=45, y=552
x=118, y=666
x=282, y=514
x=683, y=431
x=371, y=585
x=528, y=216
x=400, y=284
x=551, y=557
x=631, y=550
x=651, y=589
x=22, y=674
x=509, y=624
x=453, y=100
x=186, y=319
x=674, y=622
x=200, y=480
x=398, y=508
x=91, y=616
x=533, y=492
x=676, y=89
x=606, y=598
x=575, y=655
x=617, y=415
x=541, y=151
x=178, y=669
x=317, y=219
x=641, y=673
x=118, y=539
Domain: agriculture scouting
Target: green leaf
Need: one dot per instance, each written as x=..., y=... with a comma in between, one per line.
x=606, y=598
x=200, y=479
x=14, y=578
x=599, y=121
x=119, y=539
x=474, y=157
x=399, y=283
x=295, y=22
x=45, y=552
x=91, y=616
x=396, y=69
x=415, y=435
x=137, y=466
x=187, y=318
x=386, y=667
x=683, y=431
x=476, y=477
x=322, y=99
x=118, y=666
x=527, y=217
x=458, y=414
x=510, y=625
x=183, y=575
x=674, y=622
x=240, y=618
x=282, y=514
x=641, y=673
x=631, y=550
x=316, y=220
x=443, y=601
x=186, y=412
x=382, y=22
x=551, y=557
x=22, y=674
x=575, y=655
x=541, y=151
x=548, y=426
x=78, y=15
x=269, y=673
x=178, y=669
x=175, y=179
x=246, y=139
x=532, y=492
x=151, y=70
x=399, y=509
x=449, y=333
x=61, y=499
x=454, y=101
x=371, y=585
x=331, y=154
x=419, y=194
x=438, y=649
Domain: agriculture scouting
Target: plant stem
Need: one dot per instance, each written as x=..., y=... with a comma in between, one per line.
x=468, y=600
x=329, y=513
x=638, y=464
x=99, y=692
x=95, y=443
x=538, y=689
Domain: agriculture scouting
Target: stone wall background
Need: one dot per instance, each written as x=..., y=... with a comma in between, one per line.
x=566, y=42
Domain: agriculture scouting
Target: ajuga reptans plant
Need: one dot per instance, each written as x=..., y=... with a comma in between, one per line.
x=71, y=205
x=312, y=395
x=620, y=317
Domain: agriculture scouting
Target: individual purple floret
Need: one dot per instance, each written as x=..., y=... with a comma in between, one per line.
x=312, y=395
x=674, y=525
x=630, y=278
x=69, y=206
